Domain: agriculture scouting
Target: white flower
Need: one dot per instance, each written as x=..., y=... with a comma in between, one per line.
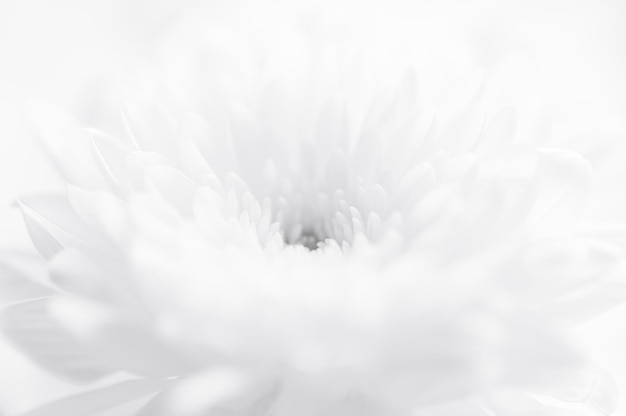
x=320, y=236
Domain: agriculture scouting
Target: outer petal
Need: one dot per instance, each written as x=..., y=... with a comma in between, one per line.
x=31, y=327
x=128, y=341
x=563, y=187
x=19, y=283
x=53, y=224
x=219, y=391
x=98, y=402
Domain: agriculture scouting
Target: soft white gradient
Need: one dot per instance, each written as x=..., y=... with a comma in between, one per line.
x=54, y=51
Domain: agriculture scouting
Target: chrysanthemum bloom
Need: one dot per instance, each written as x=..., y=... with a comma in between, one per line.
x=314, y=240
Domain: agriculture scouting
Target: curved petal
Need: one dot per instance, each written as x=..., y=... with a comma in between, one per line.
x=591, y=389
x=53, y=224
x=219, y=391
x=16, y=287
x=125, y=340
x=96, y=402
x=561, y=191
x=35, y=332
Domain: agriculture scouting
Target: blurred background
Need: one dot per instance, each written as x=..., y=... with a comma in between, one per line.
x=54, y=50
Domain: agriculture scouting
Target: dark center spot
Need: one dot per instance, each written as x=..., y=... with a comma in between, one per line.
x=309, y=239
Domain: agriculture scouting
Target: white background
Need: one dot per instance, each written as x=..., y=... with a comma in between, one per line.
x=51, y=49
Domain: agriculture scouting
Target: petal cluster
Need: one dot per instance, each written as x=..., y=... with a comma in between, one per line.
x=288, y=238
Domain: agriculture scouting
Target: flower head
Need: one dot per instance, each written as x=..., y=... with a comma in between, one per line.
x=316, y=235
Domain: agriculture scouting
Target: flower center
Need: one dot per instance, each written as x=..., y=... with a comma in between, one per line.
x=318, y=222
x=309, y=239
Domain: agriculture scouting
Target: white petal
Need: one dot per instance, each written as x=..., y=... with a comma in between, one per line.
x=192, y=162
x=254, y=144
x=448, y=357
x=15, y=286
x=53, y=224
x=150, y=128
x=332, y=130
x=553, y=268
x=312, y=399
x=128, y=341
x=499, y=132
x=366, y=159
x=45, y=243
x=593, y=389
x=104, y=212
x=110, y=156
x=563, y=186
x=31, y=327
x=66, y=145
x=175, y=187
x=95, y=402
x=214, y=144
x=77, y=273
x=209, y=392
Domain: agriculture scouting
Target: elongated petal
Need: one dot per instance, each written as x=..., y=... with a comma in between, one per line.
x=96, y=402
x=219, y=391
x=34, y=331
x=16, y=287
x=53, y=224
x=128, y=343
x=563, y=188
